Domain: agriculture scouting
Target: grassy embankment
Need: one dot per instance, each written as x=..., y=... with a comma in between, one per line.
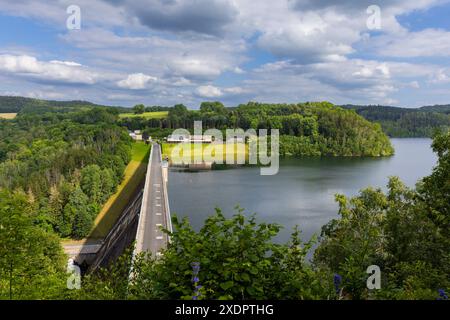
x=8, y=116
x=208, y=151
x=134, y=175
x=146, y=115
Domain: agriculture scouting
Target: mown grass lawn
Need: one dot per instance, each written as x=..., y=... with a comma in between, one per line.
x=8, y=116
x=133, y=177
x=146, y=115
x=205, y=152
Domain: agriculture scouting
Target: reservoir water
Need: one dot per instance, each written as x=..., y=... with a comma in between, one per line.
x=302, y=193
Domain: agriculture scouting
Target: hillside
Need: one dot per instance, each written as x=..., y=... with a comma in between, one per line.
x=306, y=129
x=12, y=104
x=316, y=129
x=405, y=122
x=443, y=108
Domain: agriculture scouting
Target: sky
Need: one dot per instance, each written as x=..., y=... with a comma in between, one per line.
x=164, y=52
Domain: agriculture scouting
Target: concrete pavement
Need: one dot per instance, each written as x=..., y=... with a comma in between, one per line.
x=154, y=211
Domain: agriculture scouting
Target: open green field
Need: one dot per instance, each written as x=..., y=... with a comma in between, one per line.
x=134, y=175
x=145, y=115
x=191, y=152
x=8, y=116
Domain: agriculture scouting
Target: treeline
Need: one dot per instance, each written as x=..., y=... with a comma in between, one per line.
x=442, y=108
x=404, y=122
x=67, y=164
x=307, y=129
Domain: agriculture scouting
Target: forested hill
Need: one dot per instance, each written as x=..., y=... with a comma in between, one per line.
x=316, y=128
x=12, y=104
x=406, y=122
x=66, y=164
x=306, y=129
x=444, y=108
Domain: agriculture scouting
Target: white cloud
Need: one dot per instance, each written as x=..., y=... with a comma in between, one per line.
x=371, y=70
x=309, y=38
x=238, y=70
x=414, y=85
x=136, y=81
x=66, y=63
x=209, y=92
x=235, y=90
x=425, y=43
x=440, y=76
x=199, y=59
x=196, y=68
x=59, y=71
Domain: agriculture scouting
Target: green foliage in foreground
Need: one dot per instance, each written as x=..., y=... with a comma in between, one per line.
x=238, y=260
x=31, y=259
x=405, y=232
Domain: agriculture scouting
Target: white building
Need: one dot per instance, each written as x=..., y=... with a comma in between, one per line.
x=178, y=138
x=136, y=135
x=182, y=138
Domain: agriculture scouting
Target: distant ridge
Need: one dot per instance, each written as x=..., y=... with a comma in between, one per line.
x=445, y=108
x=15, y=104
x=442, y=108
x=406, y=122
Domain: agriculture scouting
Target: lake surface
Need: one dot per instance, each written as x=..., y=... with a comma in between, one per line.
x=302, y=193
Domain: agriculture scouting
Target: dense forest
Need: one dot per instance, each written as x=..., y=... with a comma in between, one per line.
x=306, y=129
x=404, y=122
x=67, y=164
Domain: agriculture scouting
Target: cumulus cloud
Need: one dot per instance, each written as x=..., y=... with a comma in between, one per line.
x=370, y=71
x=440, y=76
x=309, y=37
x=202, y=59
x=62, y=71
x=209, y=91
x=425, y=43
x=351, y=81
x=196, y=68
x=235, y=90
x=136, y=81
